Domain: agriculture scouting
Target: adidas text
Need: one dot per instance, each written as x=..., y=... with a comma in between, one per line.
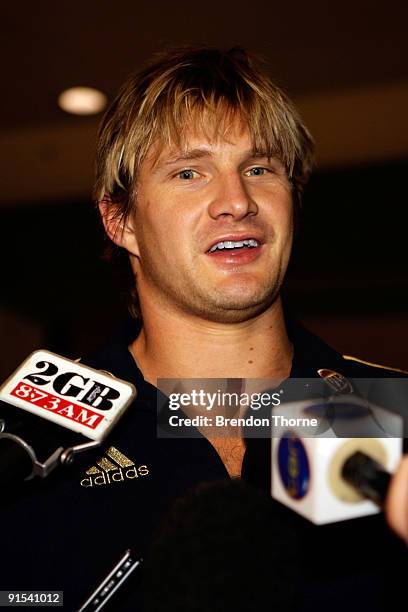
x=119, y=475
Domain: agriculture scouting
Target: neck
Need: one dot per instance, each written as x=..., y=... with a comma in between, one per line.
x=173, y=346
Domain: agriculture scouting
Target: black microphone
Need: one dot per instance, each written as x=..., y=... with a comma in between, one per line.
x=222, y=547
x=367, y=476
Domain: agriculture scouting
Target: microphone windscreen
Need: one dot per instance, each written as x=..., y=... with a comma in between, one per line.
x=218, y=549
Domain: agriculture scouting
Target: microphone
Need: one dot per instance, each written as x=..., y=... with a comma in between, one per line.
x=222, y=546
x=123, y=580
x=367, y=476
x=63, y=408
x=340, y=468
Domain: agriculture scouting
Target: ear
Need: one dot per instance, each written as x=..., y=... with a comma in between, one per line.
x=119, y=231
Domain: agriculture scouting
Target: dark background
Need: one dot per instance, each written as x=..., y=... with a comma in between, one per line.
x=346, y=68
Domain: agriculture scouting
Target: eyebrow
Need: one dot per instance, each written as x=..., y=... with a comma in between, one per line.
x=186, y=156
x=191, y=154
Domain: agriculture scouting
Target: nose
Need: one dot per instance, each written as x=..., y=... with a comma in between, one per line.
x=232, y=198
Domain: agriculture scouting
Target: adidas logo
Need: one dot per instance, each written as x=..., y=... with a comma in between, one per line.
x=114, y=467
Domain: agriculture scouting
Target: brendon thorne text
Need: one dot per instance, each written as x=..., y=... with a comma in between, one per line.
x=249, y=421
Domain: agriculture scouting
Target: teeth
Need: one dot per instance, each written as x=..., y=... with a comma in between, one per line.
x=229, y=244
x=232, y=245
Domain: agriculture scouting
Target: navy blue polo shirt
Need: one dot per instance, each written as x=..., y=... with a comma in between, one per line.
x=66, y=531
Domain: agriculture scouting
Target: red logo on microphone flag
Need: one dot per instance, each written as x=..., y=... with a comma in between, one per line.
x=57, y=405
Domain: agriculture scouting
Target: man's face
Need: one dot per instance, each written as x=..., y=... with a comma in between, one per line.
x=208, y=193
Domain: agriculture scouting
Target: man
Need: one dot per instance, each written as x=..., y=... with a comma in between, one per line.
x=201, y=167
x=226, y=175
x=200, y=171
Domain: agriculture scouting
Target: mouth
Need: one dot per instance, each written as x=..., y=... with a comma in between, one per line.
x=235, y=250
x=232, y=244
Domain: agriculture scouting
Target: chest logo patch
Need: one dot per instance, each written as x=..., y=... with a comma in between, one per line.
x=113, y=467
x=337, y=382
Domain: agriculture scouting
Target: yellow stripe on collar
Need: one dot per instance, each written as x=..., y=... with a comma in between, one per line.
x=374, y=365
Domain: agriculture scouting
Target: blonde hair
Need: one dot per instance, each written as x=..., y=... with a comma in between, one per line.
x=161, y=104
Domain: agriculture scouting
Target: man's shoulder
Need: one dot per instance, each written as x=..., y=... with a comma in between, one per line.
x=312, y=354
x=366, y=368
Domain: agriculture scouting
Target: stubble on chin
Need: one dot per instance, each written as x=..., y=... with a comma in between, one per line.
x=211, y=303
x=221, y=307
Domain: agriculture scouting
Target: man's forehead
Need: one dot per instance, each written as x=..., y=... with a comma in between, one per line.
x=195, y=144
